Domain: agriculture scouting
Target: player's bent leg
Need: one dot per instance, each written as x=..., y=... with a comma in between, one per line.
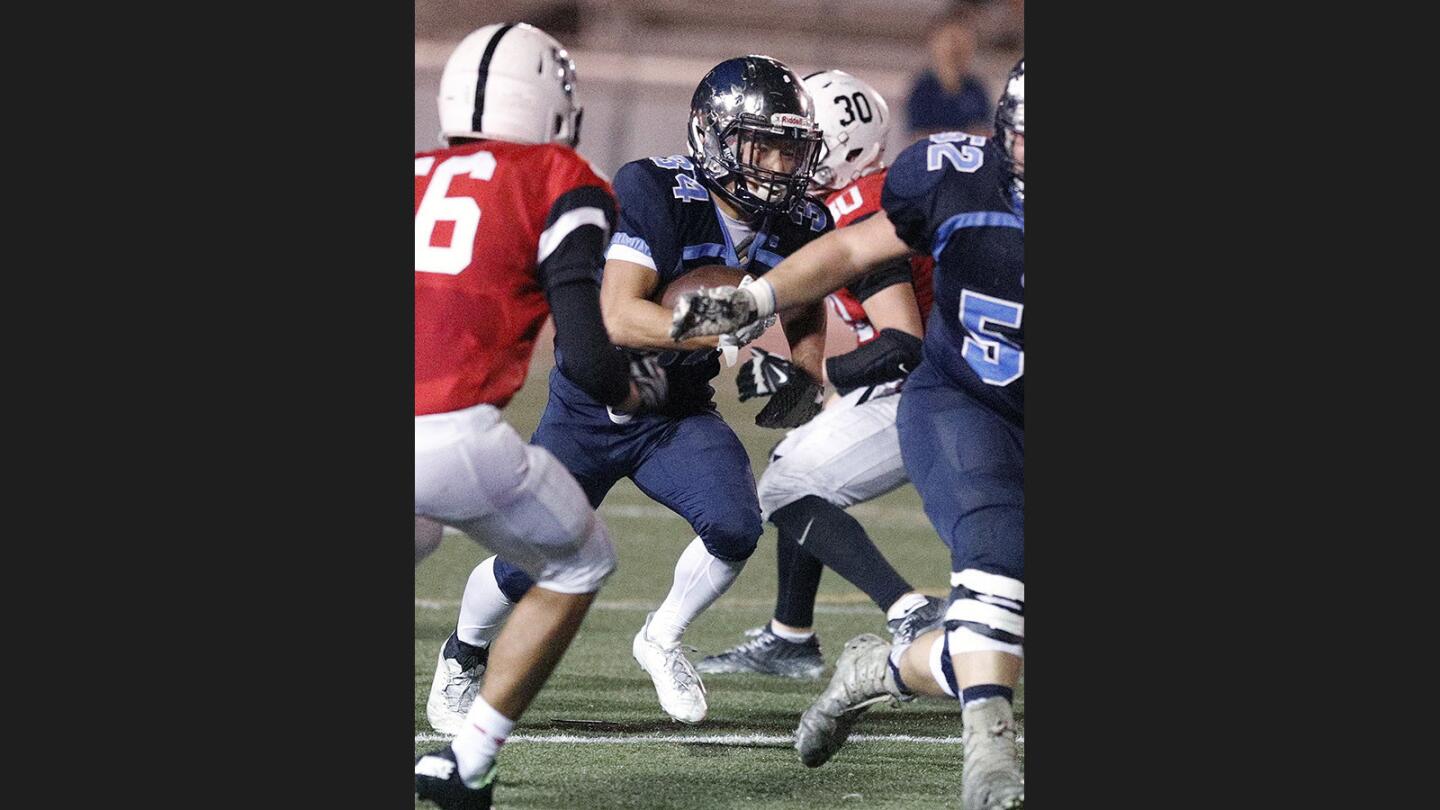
x=521, y=661
x=701, y=471
x=968, y=464
x=848, y=454
x=525, y=653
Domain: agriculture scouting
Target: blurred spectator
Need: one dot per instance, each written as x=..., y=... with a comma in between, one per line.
x=948, y=96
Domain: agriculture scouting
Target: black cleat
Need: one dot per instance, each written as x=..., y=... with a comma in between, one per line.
x=912, y=625
x=768, y=654
x=437, y=779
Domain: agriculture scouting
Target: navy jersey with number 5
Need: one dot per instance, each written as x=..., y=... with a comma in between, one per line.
x=669, y=223
x=947, y=197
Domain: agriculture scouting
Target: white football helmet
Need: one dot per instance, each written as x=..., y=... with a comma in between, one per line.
x=855, y=120
x=513, y=82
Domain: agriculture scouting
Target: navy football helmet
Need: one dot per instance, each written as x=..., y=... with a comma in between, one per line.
x=753, y=134
x=1009, y=123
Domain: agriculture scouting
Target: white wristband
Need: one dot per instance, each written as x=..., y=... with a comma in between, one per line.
x=764, y=294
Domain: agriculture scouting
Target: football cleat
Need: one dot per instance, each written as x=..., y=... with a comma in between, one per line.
x=677, y=684
x=991, y=778
x=437, y=779
x=912, y=625
x=458, y=674
x=768, y=654
x=862, y=678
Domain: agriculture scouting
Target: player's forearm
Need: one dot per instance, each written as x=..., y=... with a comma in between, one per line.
x=834, y=260
x=805, y=331
x=639, y=324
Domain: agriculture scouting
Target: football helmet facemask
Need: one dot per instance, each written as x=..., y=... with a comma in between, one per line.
x=753, y=134
x=1010, y=127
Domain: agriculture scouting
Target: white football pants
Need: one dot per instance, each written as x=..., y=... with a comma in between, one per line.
x=848, y=454
x=475, y=473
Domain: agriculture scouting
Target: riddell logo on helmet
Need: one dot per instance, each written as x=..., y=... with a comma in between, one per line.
x=790, y=120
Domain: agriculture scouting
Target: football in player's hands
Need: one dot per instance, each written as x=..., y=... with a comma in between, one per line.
x=712, y=277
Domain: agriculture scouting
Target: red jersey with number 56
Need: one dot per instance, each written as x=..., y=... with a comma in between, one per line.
x=480, y=236
x=848, y=205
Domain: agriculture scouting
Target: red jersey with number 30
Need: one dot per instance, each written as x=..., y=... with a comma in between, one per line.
x=480, y=214
x=847, y=205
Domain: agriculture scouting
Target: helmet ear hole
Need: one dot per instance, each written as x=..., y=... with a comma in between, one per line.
x=852, y=154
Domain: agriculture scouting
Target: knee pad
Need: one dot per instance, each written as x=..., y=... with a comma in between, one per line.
x=986, y=606
x=732, y=538
x=511, y=580
x=583, y=570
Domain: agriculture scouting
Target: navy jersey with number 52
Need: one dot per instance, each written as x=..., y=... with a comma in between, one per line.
x=947, y=196
x=669, y=223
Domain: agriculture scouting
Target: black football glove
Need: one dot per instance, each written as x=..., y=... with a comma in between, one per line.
x=795, y=397
x=794, y=404
x=763, y=374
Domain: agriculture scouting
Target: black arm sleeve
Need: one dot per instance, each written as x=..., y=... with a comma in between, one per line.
x=896, y=271
x=891, y=355
x=888, y=274
x=575, y=241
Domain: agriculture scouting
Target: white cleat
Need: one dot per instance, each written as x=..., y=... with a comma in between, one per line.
x=458, y=675
x=678, y=685
x=991, y=778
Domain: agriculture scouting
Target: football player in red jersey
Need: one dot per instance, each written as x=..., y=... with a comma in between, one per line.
x=850, y=453
x=510, y=225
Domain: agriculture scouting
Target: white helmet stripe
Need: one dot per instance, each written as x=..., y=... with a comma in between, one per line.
x=484, y=75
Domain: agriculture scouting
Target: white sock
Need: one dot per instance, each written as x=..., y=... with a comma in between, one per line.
x=700, y=578
x=904, y=606
x=477, y=745
x=798, y=638
x=483, y=608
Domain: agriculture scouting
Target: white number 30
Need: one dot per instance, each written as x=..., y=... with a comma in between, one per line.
x=437, y=207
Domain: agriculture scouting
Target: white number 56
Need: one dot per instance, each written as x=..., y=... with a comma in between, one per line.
x=437, y=207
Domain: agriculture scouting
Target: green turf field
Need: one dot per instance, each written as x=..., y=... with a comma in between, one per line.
x=599, y=692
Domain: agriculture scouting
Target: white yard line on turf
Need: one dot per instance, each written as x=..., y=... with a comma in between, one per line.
x=716, y=739
x=639, y=605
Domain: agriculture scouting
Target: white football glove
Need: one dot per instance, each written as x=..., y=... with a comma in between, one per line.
x=730, y=343
x=719, y=311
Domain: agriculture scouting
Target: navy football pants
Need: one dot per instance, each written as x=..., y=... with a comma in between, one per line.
x=968, y=463
x=694, y=465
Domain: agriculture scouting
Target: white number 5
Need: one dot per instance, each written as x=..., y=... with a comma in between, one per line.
x=437, y=207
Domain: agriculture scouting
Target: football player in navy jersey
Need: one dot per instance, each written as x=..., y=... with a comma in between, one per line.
x=960, y=198
x=739, y=199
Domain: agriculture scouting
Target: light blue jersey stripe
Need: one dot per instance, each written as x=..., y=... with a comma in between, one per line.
x=973, y=219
